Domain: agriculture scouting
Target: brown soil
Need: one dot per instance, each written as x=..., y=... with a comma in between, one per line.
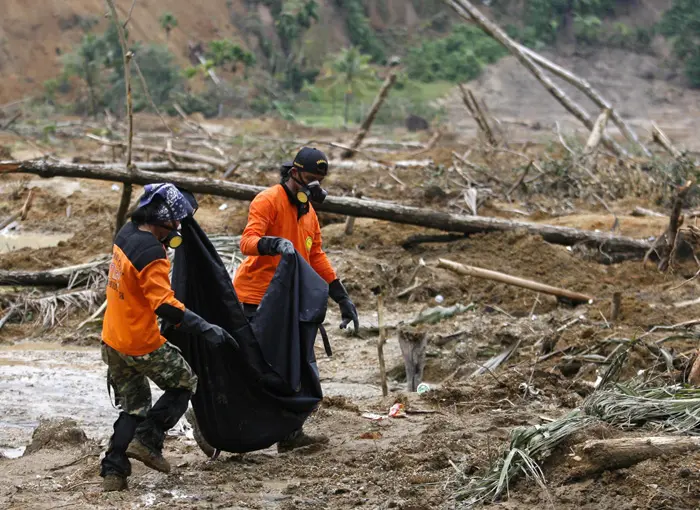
x=56, y=434
x=463, y=422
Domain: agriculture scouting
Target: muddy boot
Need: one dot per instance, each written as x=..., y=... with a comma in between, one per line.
x=151, y=458
x=299, y=439
x=198, y=437
x=113, y=483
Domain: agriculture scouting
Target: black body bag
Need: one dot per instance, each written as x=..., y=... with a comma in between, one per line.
x=251, y=398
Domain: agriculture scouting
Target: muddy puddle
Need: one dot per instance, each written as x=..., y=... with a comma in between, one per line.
x=12, y=241
x=45, y=380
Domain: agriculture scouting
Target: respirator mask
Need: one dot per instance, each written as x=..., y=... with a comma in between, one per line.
x=310, y=191
x=173, y=239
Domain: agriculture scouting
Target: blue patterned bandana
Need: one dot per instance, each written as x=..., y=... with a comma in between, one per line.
x=172, y=206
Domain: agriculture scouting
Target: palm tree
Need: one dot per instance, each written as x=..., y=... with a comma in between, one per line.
x=350, y=72
x=167, y=22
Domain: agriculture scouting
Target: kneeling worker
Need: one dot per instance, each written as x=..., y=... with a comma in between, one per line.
x=281, y=220
x=139, y=291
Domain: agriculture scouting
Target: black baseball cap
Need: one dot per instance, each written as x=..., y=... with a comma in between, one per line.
x=311, y=160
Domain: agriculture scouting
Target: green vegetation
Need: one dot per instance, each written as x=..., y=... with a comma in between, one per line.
x=681, y=24
x=544, y=20
x=458, y=57
x=295, y=77
x=349, y=74
x=86, y=63
x=167, y=22
x=292, y=19
x=223, y=51
x=359, y=30
x=97, y=63
x=586, y=22
x=318, y=108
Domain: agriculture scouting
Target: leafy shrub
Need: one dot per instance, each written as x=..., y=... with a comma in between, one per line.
x=457, y=57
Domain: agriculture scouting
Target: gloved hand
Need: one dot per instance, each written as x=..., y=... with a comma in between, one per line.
x=195, y=324
x=348, y=312
x=275, y=246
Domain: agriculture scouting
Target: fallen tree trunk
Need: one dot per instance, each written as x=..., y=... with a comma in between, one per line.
x=192, y=156
x=641, y=211
x=592, y=93
x=33, y=278
x=573, y=297
x=471, y=13
x=154, y=166
x=665, y=142
x=60, y=276
x=367, y=124
x=609, y=454
x=362, y=208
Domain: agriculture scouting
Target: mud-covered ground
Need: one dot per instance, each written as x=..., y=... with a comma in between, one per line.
x=449, y=434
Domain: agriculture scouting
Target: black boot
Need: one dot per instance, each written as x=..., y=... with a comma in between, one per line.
x=147, y=445
x=116, y=466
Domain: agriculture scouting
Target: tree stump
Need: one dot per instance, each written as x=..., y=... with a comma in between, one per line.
x=413, y=344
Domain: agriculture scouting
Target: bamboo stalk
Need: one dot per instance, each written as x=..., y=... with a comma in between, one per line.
x=574, y=297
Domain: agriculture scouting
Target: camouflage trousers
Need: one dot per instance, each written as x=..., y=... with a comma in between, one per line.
x=128, y=376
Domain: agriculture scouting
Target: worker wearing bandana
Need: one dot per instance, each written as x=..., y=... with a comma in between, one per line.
x=281, y=220
x=138, y=292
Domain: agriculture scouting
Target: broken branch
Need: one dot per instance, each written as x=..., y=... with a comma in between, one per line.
x=126, y=192
x=467, y=10
x=610, y=454
x=367, y=123
x=573, y=297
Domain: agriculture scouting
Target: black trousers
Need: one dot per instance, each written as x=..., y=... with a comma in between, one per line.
x=150, y=430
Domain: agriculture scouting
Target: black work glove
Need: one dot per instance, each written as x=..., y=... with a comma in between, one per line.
x=193, y=323
x=348, y=312
x=275, y=246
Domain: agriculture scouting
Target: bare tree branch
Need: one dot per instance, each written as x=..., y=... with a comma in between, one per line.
x=126, y=192
x=128, y=16
x=148, y=95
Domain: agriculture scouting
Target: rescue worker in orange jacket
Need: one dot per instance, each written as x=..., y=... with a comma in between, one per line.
x=138, y=292
x=281, y=220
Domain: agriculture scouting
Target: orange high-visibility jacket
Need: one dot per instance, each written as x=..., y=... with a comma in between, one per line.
x=139, y=284
x=273, y=214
